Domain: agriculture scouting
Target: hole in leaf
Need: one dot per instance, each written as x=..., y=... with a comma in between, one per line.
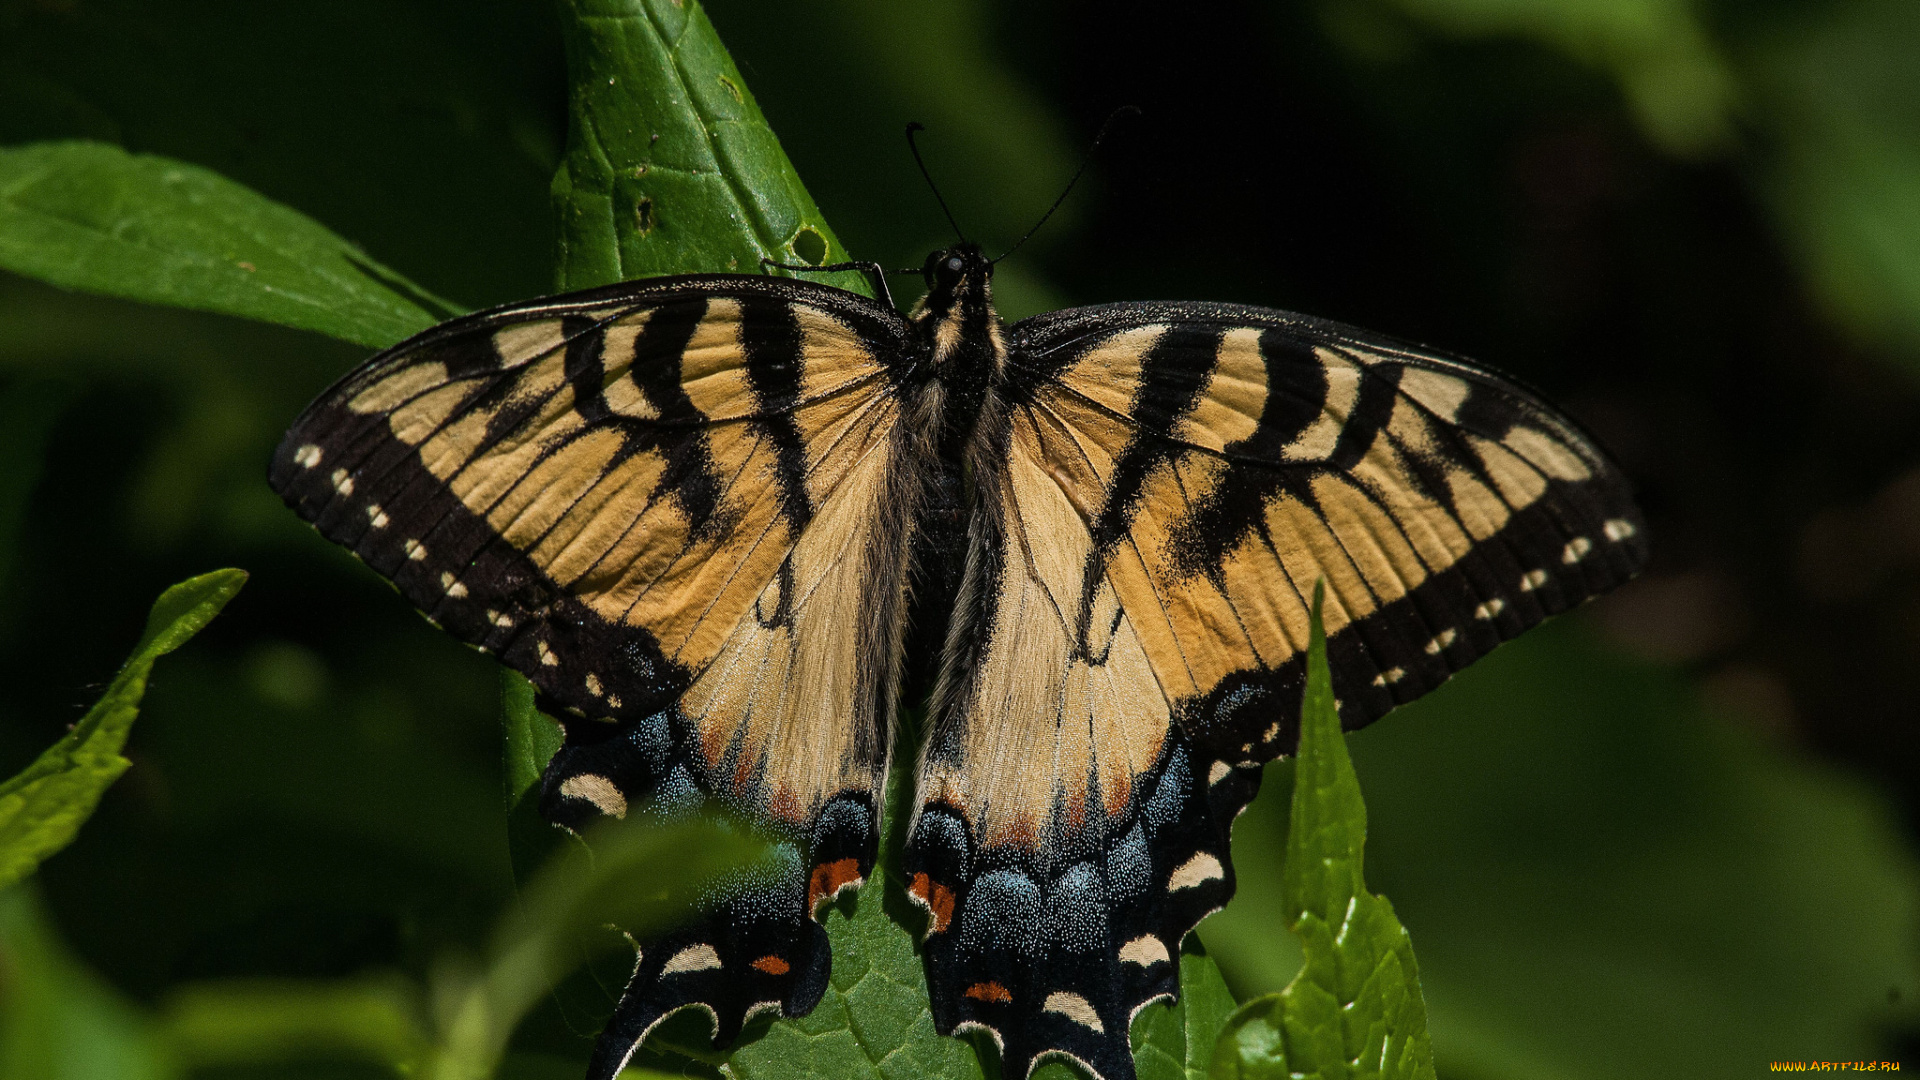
x=732, y=87
x=810, y=246
x=643, y=216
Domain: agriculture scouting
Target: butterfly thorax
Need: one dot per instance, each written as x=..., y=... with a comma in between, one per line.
x=957, y=326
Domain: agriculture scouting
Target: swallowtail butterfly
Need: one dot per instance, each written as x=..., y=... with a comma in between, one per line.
x=725, y=524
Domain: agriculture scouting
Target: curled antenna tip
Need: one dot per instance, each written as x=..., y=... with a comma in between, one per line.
x=1124, y=110
x=913, y=126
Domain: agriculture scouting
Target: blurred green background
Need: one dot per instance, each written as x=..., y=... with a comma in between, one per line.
x=1671, y=835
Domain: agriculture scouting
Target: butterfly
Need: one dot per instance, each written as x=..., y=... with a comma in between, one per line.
x=726, y=523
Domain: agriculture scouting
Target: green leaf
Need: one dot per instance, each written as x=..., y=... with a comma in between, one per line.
x=532, y=736
x=254, y=1022
x=635, y=876
x=42, y=807
x=59, y=1021
x=1354, y=1010
x=92, y=217
x=670, y=168
x=1174, y=1040
x=874, y=1020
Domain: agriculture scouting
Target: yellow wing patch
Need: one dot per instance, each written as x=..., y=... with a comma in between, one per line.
x=612, y=511
x=1229, y=468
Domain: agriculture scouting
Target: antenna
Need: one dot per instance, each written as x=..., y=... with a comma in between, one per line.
x=911, y=145
x=1124, y=110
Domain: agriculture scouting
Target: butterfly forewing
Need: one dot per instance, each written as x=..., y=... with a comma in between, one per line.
x=674, y=507
x=1242, y=454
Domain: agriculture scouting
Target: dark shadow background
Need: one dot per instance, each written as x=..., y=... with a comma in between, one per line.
x=1670, y=835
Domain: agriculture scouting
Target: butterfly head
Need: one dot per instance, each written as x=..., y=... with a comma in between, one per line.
x=956, y=317
x=949, y=269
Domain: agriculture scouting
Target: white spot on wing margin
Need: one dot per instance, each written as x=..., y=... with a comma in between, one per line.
x=1198, y=870
x=1075, y=1008
x=692, y=958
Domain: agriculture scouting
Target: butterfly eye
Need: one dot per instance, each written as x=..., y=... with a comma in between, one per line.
x=944, y=269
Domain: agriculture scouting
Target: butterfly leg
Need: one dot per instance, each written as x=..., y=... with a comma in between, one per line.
x=876, y=275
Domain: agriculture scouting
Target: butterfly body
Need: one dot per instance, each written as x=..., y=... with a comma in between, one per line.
x=725, y=524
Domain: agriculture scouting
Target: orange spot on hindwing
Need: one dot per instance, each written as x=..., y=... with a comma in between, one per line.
x=830, y=878
x=772, y=965
x=988, y=991
x=936, y=898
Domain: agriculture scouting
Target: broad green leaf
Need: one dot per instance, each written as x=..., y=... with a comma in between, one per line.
x=670, y=168
x=1174, y=1041
x=1355, y=1010
x=59, y=1021
x=874, y=1020
x=43, y=806
x=92, y=217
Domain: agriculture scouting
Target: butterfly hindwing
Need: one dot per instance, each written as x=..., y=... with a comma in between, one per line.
x=1162, y=486
x=675, y=507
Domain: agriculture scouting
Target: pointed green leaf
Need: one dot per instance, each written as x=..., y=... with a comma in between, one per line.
x=636, y=876
x=42, y=807
x=532, y=738
x=1174, y=1040
x=1354, y=1012
x=670, y=168
x=92, y=217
